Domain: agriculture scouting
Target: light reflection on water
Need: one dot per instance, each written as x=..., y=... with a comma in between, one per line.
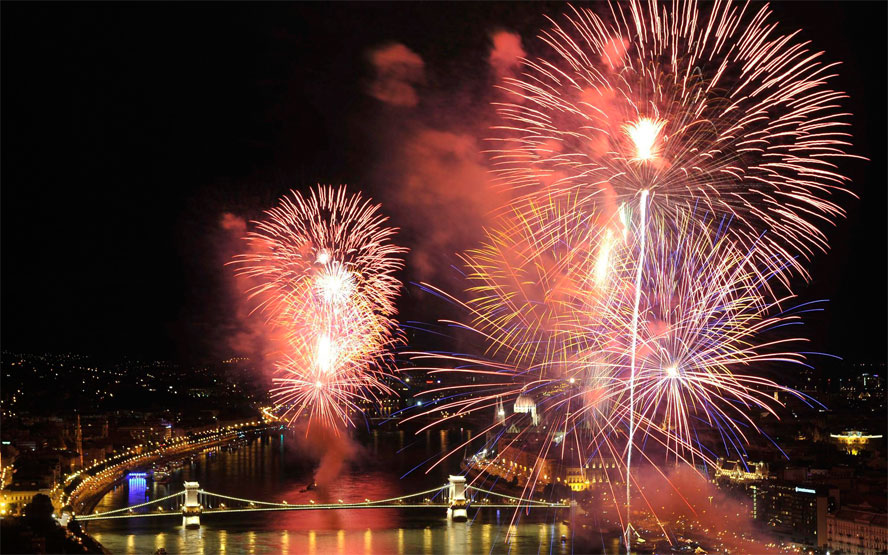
x=273, y=470
x=136, y=490
x=443, y=537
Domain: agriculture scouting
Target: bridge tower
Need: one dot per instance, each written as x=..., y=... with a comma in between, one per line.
x=192, y=509
x=458, y=505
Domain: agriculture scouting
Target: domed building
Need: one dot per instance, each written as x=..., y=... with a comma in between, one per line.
x=524, y=404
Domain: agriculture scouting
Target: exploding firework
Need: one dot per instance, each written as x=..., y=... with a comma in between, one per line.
x=697, y=107
x=534, y=279
x=327, y=246
x=557, y=322
x=704, y=318
x=665, y=118
x=324, y=272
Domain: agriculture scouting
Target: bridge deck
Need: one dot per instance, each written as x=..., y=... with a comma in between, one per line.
x=404, y=502
x=323, y=508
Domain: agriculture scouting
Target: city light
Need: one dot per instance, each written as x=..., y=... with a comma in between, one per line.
x=590, y=287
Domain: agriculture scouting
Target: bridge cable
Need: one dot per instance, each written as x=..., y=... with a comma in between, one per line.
x=323, y=504
x=152, y=502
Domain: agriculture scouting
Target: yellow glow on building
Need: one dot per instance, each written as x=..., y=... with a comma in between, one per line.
x=853, y=441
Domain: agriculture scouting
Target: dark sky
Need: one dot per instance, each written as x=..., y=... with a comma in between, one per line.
x=129, y=129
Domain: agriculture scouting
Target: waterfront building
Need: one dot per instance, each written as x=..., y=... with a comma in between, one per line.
x=739, y=472
x=14, y=498
x=857, y=530
x=525, y=404
x=794, y=512
x=740, y=477
x=598, y=472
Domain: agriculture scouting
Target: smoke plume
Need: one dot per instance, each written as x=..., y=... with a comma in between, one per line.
x=398, y=69
x=506, y=53
x=250, y=336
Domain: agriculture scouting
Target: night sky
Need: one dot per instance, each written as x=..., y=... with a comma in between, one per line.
x=128, y=130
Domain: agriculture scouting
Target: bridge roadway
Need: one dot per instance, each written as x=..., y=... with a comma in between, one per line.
x=192, y=504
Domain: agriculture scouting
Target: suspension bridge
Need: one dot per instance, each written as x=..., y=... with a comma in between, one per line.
x=193, y=503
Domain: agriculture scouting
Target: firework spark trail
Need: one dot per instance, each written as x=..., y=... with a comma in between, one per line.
x=644, y=151
x=323, y=266
x=705, y=309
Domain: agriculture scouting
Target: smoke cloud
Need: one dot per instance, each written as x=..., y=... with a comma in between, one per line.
x=506, y=53
x=444, y=194
x=398, y=69
x=615, y=52
x=433, y=172
x=249, y=336
x=689, y=497
x=236, y=225
x=332, y=451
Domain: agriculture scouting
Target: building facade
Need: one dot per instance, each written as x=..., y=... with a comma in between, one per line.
x=857, y=531
x=794, y=512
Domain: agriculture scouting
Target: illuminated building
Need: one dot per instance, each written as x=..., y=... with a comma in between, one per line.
x=144, y=432
x=794, y=512
x=740, y=476
x=499, y=415
x=514, y=454
x=857, y=530
x=577, y=479
x=520, y=465
x=600, y=471
x=853, y=441
x=738, y=472
x=13, y=500
x=524, y=404
x=516, y=464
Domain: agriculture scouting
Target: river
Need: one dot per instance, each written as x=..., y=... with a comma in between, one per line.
x=278, y=467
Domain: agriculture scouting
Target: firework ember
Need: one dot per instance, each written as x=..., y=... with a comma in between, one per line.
x=324, y=268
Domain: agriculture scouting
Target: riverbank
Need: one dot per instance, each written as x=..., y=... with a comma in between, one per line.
x=277, y=467
x=88, y=491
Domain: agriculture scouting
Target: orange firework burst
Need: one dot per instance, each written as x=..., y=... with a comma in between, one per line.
x=324, y=268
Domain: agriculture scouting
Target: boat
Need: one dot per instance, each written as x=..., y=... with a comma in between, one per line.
x=162, y=476
x=310, y=487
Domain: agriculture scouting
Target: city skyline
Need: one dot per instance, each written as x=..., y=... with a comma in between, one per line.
x=444, y=277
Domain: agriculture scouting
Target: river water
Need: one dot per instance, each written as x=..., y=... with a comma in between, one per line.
x=278, y=467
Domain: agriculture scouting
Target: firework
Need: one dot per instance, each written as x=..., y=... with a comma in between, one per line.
x=703, y=318
x=558, y=323
x=324, y=269
x=532, y=281
x=670, y=113
x=697, y=107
